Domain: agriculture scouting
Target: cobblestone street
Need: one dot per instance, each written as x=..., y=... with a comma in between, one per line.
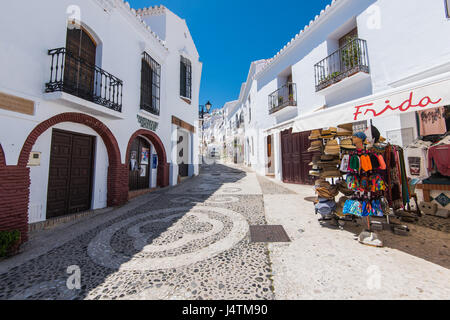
x=193, y=242
x=188, y=242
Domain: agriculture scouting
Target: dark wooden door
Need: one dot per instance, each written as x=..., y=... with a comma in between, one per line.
x=139, y=177
x=70, y=174
x=296, y=158
x=79, y=72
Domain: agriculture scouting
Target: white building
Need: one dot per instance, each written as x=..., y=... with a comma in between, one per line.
x=354, y=53
x=96, y=100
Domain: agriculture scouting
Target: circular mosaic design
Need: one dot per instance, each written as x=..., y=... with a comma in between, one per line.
x=232, y=190
x=212, y=200
x=156, y=254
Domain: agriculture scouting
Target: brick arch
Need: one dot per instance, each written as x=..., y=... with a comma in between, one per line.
x=163, y=166
x=117, y=173
x=2, y=158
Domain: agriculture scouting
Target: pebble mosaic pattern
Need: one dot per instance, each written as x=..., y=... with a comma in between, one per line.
x=180, y=245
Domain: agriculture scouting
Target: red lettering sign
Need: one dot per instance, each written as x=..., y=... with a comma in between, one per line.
x=405, y=106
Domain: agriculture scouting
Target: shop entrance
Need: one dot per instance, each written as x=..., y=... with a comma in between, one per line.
x=139, y=165
x=70, y=174
x=296, y=158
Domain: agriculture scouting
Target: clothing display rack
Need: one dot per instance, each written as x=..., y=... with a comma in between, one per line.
x=370, y=174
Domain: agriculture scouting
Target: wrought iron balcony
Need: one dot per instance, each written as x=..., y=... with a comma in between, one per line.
x=74, y=76
x=345, y=62
x=284, y=97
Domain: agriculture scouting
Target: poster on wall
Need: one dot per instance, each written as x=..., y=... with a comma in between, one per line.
x=154, y=161
x=133, y=161
x=143, y=171
x=145, y=156
x=414, y=166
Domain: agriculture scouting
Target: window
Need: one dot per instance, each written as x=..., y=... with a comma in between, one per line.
x=447, y=8
x=150, y=84
x=185, y=78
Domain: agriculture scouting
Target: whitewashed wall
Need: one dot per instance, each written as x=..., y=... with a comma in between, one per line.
x=25, y=68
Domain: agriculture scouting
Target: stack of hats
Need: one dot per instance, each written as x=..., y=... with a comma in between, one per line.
x=359, y=139
x=329, y=165
x=316, y=145
x=328, y=133
x=325, y=190
x=315, y=135
x=345, y=130
x=316, y=169
x=332, y=147
x=340, y=207
x=347, y=144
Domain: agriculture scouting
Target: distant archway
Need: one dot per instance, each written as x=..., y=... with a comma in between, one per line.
x=163, y=166
x=2, y=157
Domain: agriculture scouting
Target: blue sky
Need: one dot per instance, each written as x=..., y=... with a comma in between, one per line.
x=230, y=34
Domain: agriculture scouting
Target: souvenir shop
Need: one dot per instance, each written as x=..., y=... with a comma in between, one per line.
x=369, y=174
x=362, y=177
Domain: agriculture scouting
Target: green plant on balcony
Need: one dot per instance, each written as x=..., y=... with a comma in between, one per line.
x=9, y=242
x=291, y=97
x=351, y=53
x=325, y=79
x=280, y=100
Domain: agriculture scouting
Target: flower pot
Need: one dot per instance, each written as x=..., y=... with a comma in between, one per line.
x=15, y=248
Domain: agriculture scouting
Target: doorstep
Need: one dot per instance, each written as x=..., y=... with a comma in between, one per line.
x=137, y=193
x=54, y=222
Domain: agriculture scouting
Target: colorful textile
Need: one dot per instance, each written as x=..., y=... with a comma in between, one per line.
x=440, y=156
x=432, y=122
x=353, y=207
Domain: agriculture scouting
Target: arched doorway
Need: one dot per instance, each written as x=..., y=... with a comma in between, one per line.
x=162, y=166
x=117, y=189
x=140, y=165
x=2, y=158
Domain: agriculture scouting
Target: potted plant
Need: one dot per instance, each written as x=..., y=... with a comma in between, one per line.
x=9, y=243
x=351, y=53
x=280, y=100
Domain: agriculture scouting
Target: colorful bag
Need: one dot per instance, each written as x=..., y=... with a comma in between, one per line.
x=378, y=210
x=353, y=207
x=352, y=182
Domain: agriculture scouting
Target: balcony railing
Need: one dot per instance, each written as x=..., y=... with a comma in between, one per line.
x=286, y=96
x=345, y=62
x=75, y=76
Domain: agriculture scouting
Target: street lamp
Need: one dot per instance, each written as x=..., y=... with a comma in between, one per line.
x=207, y=106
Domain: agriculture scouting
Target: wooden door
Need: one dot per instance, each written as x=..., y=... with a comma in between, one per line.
x=79, y=72
x=70, y=174
x=139, y=175
x=296, y=158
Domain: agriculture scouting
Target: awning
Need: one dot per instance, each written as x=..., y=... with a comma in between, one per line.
x=425, y=94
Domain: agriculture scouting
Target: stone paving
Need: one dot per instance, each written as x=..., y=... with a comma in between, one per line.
x=187, y=242
x=192, y=242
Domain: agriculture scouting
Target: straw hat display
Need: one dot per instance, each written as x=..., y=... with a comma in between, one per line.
x=344, y=133
x=330, y=173
x=340, y=206
x=316, y=146
x=329, y=133
x=358, y=142
x=325, y=190
x=332, y=147
x=347, y=144
x=315, y=134
x=315, y=160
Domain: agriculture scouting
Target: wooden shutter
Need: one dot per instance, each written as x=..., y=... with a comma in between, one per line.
x=146, y=86
x=79, y=71
x=182, y=78
x=344, y=39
